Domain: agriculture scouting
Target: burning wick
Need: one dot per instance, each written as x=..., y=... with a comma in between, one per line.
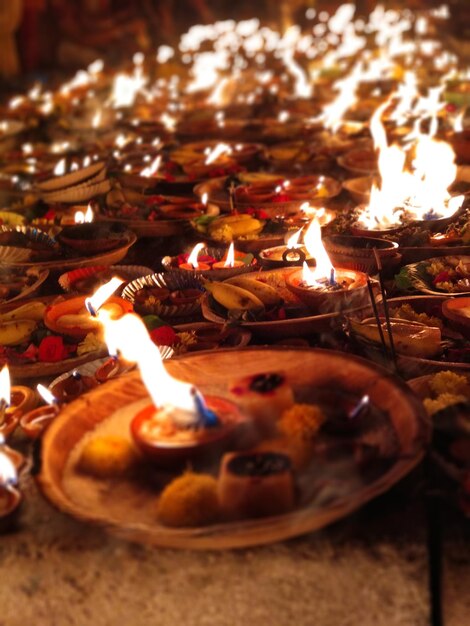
x=359, y=408
x=100, y=296
x=206, y=417
x=192, y=263
x=48, y=397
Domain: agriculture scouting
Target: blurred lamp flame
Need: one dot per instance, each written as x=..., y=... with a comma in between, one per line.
x=192, y=259
x=218, y=151
x=229, y=262
x=46, y=395
x=96, y=301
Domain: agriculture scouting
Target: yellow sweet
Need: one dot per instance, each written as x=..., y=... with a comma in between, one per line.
x=301, y=421
x=106, y=457
x=449, y=383
x=189, y=500
x=443, y=401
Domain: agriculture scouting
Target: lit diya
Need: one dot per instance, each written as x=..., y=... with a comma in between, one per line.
x=71, y=317
x=14, y=402
x=214, y=263
x=35, y=422
x=289, y=255
x=326, y=289
x=180, y=425
x=10, y=496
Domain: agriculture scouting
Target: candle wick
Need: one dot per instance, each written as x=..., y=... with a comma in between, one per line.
x=206, y=417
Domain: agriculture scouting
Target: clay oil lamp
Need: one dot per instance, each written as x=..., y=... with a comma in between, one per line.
x=10, y=496
x=216, y=264
x=71, y=317
x=14, y=402
x=192, y=264
x=178, y=424
x=72, y=386
x=228, y=261
x=289, y=255
x=357, y=253
x=91, y=238
x=35, y=422
x=326, y=289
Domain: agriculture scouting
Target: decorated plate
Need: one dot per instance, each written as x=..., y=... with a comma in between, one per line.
x=330, y=485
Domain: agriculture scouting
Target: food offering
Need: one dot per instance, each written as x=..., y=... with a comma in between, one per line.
x=17, y=284
x=425, y=337
x=170, y=296
x=446, y=397
x=40, y=337
x=437, y=276
x=328, y=445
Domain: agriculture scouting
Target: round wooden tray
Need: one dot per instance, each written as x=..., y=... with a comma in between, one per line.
x=31, y=290
x=109, y=257
x=424, y=285
x=212, y=372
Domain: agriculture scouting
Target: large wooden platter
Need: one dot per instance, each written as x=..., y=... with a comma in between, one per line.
x=212, y=372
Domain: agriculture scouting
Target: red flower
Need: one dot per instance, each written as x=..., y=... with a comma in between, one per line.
x=442, y=277
x=164, y=336
x=52, y=349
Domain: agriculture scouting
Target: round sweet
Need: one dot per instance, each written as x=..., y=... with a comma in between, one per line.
x=106, y=457
x=189, y=500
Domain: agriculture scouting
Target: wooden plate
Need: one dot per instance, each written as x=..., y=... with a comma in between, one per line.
x=31, y=290
x=212, y=372
x=107, y=258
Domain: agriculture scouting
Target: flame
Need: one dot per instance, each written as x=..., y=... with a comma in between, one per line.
x=129, y=335
x=216, y=152
x=5, y=387
x=153, y=168
x=333, y=113
x=314, y=245
x=100, y=296
x=86, y=217
x=204, y=198
x=229, y=262
x=414, y=179
x=458, y=122
x=293, y=241
x=46, y=395
x=59, y=169
x=192, y=259
x=126, y=88
x=8, y=473
x=97, y=119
